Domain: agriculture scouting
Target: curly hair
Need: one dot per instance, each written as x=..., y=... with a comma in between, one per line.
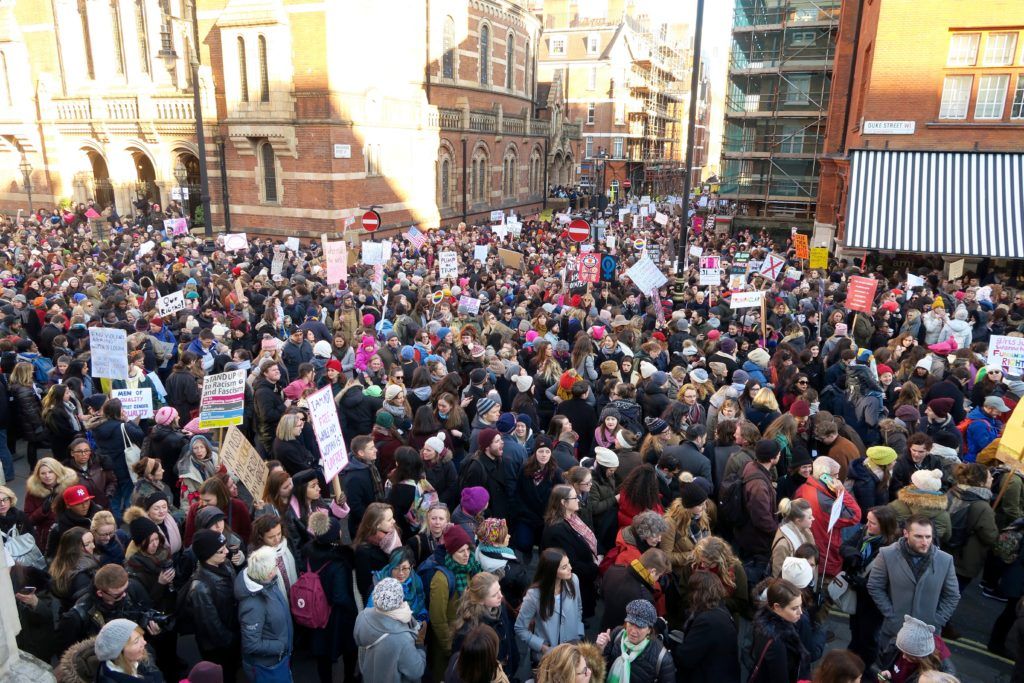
x=648, y=524
x=641, y=488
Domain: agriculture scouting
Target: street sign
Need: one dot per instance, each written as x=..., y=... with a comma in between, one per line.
x=579, y=230
x=371, y=220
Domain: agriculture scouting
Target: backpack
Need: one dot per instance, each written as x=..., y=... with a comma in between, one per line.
x=1007, y=545
x=42, y=366
x=960, y=531
x=962, y=428
x=308, y=601
x=426, y=571
x=732, y=506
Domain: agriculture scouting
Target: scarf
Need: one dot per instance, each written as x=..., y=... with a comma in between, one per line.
x=624, y=662
x=390, y=541
x=643, y=572
x=397, y=411
x=867, y=546
x=462, y=572
x=580, y=527
x=72, y=412
x=402, y=614
x=919, y=563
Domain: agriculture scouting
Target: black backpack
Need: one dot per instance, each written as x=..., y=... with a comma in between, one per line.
x=732, y=505
x=961, y=529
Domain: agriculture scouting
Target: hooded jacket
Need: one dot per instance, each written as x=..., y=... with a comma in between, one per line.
x=269, y=408
x=39, y=503
x=265, y=621
x=932, y=504
x=388, y=652
x=822, y=499
x=982, y=531
x=982, y=431
x=189, y=471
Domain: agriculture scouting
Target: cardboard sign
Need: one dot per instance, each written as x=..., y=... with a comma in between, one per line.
x=696, y=252
x=170, y=304
x=956, y=269
x=277, y=265
x=480, y=253
x=800, y=242
x=223, y=400
x=236, y=241
x=510, y=259
x=771, y=268
x=1008, y=353
x=468, y=304
x=447, y=264
x=135, y=402
x=646, y=275
x=324, y=416
x=819, y=258
x=243, y=461
x=745, y=299
x=710, y=270
x=861, y=293
x=336, y=260
x=590, y=268
x=109, y=347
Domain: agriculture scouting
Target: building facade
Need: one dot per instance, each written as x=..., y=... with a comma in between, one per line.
x=777, y=105
x=924, y=146
x=95, y=102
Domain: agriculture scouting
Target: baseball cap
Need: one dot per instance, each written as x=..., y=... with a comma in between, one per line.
x=73, y=495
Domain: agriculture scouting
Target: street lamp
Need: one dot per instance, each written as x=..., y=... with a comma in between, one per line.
x=181, y=175
x=26, y=173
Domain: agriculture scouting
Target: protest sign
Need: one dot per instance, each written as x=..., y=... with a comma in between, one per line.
x=646, y=275
x=696, y=251
x=745, y=299
x=135, y=402
x=956, y=269
x=222, y=401
x=468, y=304
x=771, y=267
x=914, y=281
x=146, y=247
x=572, y=275
x=324, y=416
x=819, y=258
x=1010, y=449
x=176, y=226
x=660, y=218
x=236, y=241
x=861, y=293
x=609, y=240
x=170, y=304
x=416, y=237
x=590, y=267
x=622, y=215
x=109, y=347
x=646, y=199
x=793, y=274
x=710, y=270
x=243, y=461
x=1008, y=353
x=645, y=211
x=480, y=253
x=800, y=242
x=608, y=265
x=654, y=251
x=497, y=216
x=447, y=264
x=292, y=243
x=335, y=254
x=737, y=280
x=373, y=253
x=510, y=259
x=277, y=265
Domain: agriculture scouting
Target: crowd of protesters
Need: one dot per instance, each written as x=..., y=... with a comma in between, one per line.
x=571, y=483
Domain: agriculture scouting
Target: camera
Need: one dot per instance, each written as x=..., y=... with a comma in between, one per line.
x=164, y=621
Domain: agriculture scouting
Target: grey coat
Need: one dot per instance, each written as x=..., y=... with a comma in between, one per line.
x=387, y=649
x=932, y=598
x=565, y=625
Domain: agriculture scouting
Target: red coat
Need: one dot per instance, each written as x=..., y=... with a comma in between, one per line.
x=628, y=509
x=822, y=501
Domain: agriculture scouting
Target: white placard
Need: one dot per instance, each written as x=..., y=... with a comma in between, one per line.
x=480, y=253
x=500, y=230
x=447, y=264
x=696, y=251
x=610, y=241
x=771, y=267
x=373, y=253
x=660, y=218
x=745, y=299
x=646, y=275
x=170, y=304
x=622, y=214
x=292, y=243
x=1008, y=353
x=323, y=414
x=109, y=348
x=277, y=265
x=135, y=402
x=645, y=211
x=710, y=271
x=914, y=281
x=468, y=304
x=564, y=218
x=515, y=227
x=236, y=241
x=646, y=199
x=147, y=246
x=497, y=216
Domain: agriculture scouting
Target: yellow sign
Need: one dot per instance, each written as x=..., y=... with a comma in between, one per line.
x=243, y=461
x=547, y=215
x=819, y=258
x=1011, y=442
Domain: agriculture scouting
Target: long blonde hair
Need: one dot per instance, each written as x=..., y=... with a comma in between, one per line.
x=471, y=608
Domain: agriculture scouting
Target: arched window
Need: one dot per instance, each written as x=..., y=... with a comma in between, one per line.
x=526, y=68
x=140, y=31
x=86, y=41
x=448, y=48
x=510, y=61
x=115, y=18
x=445, y=178
x=485, y=53
x=5, y=80
x=513, y=186
x=269, y=173
x=243, y=71
x=264, y=76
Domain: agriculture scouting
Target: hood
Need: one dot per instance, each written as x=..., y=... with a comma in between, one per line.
x=422, y=393
x=959, y=326
x=921, y=501
x=78, y=664
x=860, y=471
x=961, y=496
x=36, y=488
x=372, y=624
x=246, y=587
x=355, y=464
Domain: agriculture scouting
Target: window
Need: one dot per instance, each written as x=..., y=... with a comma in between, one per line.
x=792, y=139
x=485, y=53
x=83, y=13
x=448, y=49
x=592, y=79
x=991, y=96
x=445, y=180
x=802, y=38
x=118, y=38
x=269, y=173
x=617, y=148
x=799, y=89
x=590, y=147
x=1016, y=109
x=264, y=76
x=510, y=61
x=999, y=49
x=140, y=31
x=243, y=71
x=557, y=45
x=963, y=49
x=591, y=113
x=526, y=69
x=956, y=93
x=593, y=44
x=372, y=156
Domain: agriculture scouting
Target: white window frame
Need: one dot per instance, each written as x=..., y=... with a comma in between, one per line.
x=796, y=95
x=1017, y=107
x=591, y=113
x=589, y=147
x=803, y=38
x=953, y=87
x=1005, y=42
x=559, y=42
x=618, y=145
x=593, y=44
x=963, y=49
x=991, y=87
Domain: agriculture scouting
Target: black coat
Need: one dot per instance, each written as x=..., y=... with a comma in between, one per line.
x=293, y=455
x=67, y=520
x=166, y=444
x=357, y=412
x=584, y=421
x=269, y=407
x=183, y=394
x=654, y=665
x=28, y=411
x=61, y=432
x=334, y=563
x=481, y=470
x=359, y=482
x=709, y=653
x=904, y=468
x=779, y=642
x=621, y=585
x=369, y=559
x=949, y=388
x=584, y=564
x=654, y=402
x=210, y=602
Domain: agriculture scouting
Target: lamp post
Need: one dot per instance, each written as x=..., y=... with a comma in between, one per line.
x=691, y=129
x=26, y=174
x=181, y=175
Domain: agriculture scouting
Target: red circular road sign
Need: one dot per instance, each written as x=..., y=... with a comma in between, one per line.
x=371, y=220
x=579, y=230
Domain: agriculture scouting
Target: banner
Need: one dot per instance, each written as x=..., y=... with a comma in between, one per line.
x=135, y=402
x=109, y=348
x=447, y=264
x=223, y=399
x=243, y=461
x=800, y=242
x=745, y=299
x=609, y=264
x=415, y=237
x=324, y=416
x=335, y=258
x=590, y=268
x=819, y=258
x=468, y=304
x=292, y=243
x=1008, y=353
x=710, y=270
x=497, y=216
x=236, y=241
x=861, y=293
x=510, y=259
x=480, y=253
x=170, y=304
x=646, y=275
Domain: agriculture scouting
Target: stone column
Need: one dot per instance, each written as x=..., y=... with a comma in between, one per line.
x=10, y=624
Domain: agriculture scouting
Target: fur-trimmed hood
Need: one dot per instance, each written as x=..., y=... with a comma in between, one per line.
x=916, y=499
x=78, y=664
x=594, y=658
x=36, y=488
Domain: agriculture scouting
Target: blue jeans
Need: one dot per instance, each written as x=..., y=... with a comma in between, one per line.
x=122, y=497
x=6, y=459
x=279, y=673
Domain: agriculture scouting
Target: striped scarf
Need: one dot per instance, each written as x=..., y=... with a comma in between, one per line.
x=462, y=572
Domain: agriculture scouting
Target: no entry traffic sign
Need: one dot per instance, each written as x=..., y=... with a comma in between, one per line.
x=371, y=220
x=579, y=230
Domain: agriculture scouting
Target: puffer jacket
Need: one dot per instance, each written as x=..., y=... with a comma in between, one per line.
x=39, y=503
x=265, y=621
x=982, y=531
x=28, y=410
x=653, y=665
x=78, y=664
x=932, y=504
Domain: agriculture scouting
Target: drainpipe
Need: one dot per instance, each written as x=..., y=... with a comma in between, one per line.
x=465, y=180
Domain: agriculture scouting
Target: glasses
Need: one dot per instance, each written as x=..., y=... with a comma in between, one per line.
x=403, y=569
x=4, y=500
x=82, y=450
x=585, y=672
x=399, y=376
x=801, y=381
x=116, y=597
x=573, y=498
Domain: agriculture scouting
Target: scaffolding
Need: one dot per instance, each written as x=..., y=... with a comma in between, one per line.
x=780, y=79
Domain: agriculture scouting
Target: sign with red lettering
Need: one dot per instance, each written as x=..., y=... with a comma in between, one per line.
x=801, y=246
x=590, y=268
x=861, y=293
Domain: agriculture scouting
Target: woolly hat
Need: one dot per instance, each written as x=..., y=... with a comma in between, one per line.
x=206, y=672
x=373, y=390
x=714, y=334
x=908, y=413
x=486, y=437
x=475, y=500
x=625, y=440
x=766, y=449
x=532, y=336
x=454, y=538
x=740, y=376
x=925, y=364
x=388, y=594
x=478, y=376
x=598, y=332
x=758, y=356
x=641, y=613
x=208, y=515
x=941, y=407
x=606, y=457
x=655, y=425
x=915, y=637
x=492, y=531
x=334, y=364
x=112, y=638
x=384, y=419
x=693, y=494
x=841, y=330
x=699, y=375
x=797, y=571
x=506, y=424
x=166, y=415
x=322, y=349
x=523, y=383
x=407, y=353
x=927, y=480
x=484, y=405
x=206, y=543
x=324, y=527
x=368, y=320
x=392, y=392
x=944, y=348
x=647, y=369
x=525, y=419
x=610, y=411
x=864, y=356
x=659, y=379
x=541, y=441
x=881, y=455
x=436, y=443
x=141, y=528
x=800, y=408
x=728, y=345
x=884, y=369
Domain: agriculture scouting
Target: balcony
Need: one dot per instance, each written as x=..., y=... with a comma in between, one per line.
x=487, y=122
x=177, y=109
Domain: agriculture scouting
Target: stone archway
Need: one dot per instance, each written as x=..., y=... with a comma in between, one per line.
x=191, y=198
x=102, y=189
x=145, y=173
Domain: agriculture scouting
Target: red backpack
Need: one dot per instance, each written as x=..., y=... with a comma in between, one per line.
x=308, y=601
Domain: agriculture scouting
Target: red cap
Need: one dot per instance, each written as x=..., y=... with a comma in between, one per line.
x=334, y=364
x=714, y=334
x=882, y=369
x=73, y=495
x=157, y=321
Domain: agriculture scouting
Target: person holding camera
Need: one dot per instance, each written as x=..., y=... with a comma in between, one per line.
x=114, y=595
x=149, y=561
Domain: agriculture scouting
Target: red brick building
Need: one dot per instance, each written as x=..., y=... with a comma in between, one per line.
x=925, y=144
x=427, y=114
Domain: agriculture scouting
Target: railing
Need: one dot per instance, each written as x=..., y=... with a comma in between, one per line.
x=481, y=122
x=175, y=109
x=74, y=110
x=781, y=187
x=766, y=103
x=124, y=109
x=804, y=143
x=487, y=122
x=513, y=126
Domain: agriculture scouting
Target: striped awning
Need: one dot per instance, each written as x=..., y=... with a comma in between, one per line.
x=962, y=203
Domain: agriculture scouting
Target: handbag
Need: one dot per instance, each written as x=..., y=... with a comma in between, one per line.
x=842, y=595
x=132, y=453
x=21, y=548
x=760, y=660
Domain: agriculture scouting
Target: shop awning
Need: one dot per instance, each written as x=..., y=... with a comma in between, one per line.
x=963, y=203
